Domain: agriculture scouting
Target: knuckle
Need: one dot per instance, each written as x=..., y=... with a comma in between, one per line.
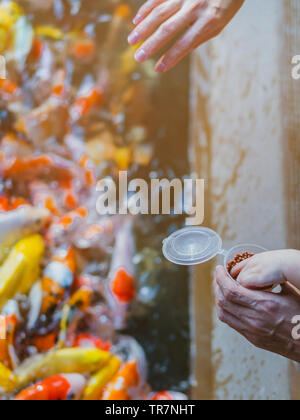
x=271, y=307
x=229, y=294
x=161, y=10
x=214, y=17
x=270, y=333
x=221, y=302
x=196, y=5
x=166, y=29
x=215, y=14
x=257, y=327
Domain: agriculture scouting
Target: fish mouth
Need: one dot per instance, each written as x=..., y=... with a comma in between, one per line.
x=42, y=216
x=36, y=216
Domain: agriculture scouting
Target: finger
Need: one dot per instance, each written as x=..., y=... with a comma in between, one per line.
x=146, y=9
x=235, y=293
x=238, y=325
x=239, y=311
x=165, y=33
x=233, y=322
x=159, y=15
x=198, y=34
x=238, y=268
x=250, y=279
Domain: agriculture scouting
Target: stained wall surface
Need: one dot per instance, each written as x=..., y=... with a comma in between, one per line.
x=238, y=134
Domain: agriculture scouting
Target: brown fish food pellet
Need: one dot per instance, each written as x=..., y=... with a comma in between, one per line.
x=238, y=259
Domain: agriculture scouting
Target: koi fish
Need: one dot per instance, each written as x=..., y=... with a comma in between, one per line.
x=4, y=204
x=50, y=119
x=13, y=204
x=130, y=381
x=17, y=224
x=7, y=351
x=86, y=102
x=8, y=379
x=21, y=269
x=91, y=342
x=72, y=311
x=121, y=279
x=61, y=361
x=56, y=388
x=83, y=48
x=57, y=278
x=126, y=379
x=35, y=299
x=45, y=343
x=66, y=225
x=121, y=14
x=59, y=83
x=99, y=236
x=99, y=380
x=29, y=168
x=167, y=396
x=43, y=197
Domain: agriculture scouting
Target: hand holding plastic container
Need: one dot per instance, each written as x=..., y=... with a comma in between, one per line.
x=197, y=245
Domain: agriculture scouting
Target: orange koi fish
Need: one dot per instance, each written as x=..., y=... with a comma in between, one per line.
x=56, y=388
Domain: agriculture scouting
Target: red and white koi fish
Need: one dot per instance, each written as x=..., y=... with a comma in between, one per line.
x=57, y=388
x=167, y=396
x=121, y=279
x=91, y=342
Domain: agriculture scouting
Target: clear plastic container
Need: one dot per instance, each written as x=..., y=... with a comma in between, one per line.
x=197, y=245
x=240, y=249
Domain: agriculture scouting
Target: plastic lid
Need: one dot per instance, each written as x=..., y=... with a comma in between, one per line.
x=192, y=246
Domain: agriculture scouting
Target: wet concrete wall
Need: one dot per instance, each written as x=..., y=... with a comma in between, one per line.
x=244, y=132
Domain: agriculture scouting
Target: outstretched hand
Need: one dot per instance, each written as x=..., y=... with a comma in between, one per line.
x=161, y=21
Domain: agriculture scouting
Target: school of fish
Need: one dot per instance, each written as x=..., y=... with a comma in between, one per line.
x=72, y=110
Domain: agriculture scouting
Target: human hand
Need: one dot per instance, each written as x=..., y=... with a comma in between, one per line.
x=264, y=319
x=269, y=269
x=160, y=21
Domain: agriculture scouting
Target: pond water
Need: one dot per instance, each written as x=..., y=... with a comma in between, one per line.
x=61, y=50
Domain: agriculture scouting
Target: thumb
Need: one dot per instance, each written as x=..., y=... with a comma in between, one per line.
x=255, y=282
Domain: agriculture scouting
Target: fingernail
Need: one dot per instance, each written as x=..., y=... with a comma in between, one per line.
x=160, y=68
x=137, y=19
x=133, y=38
x=140, y=55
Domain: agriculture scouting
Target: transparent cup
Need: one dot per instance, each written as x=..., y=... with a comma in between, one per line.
x=240, y=249
x=197, y=245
